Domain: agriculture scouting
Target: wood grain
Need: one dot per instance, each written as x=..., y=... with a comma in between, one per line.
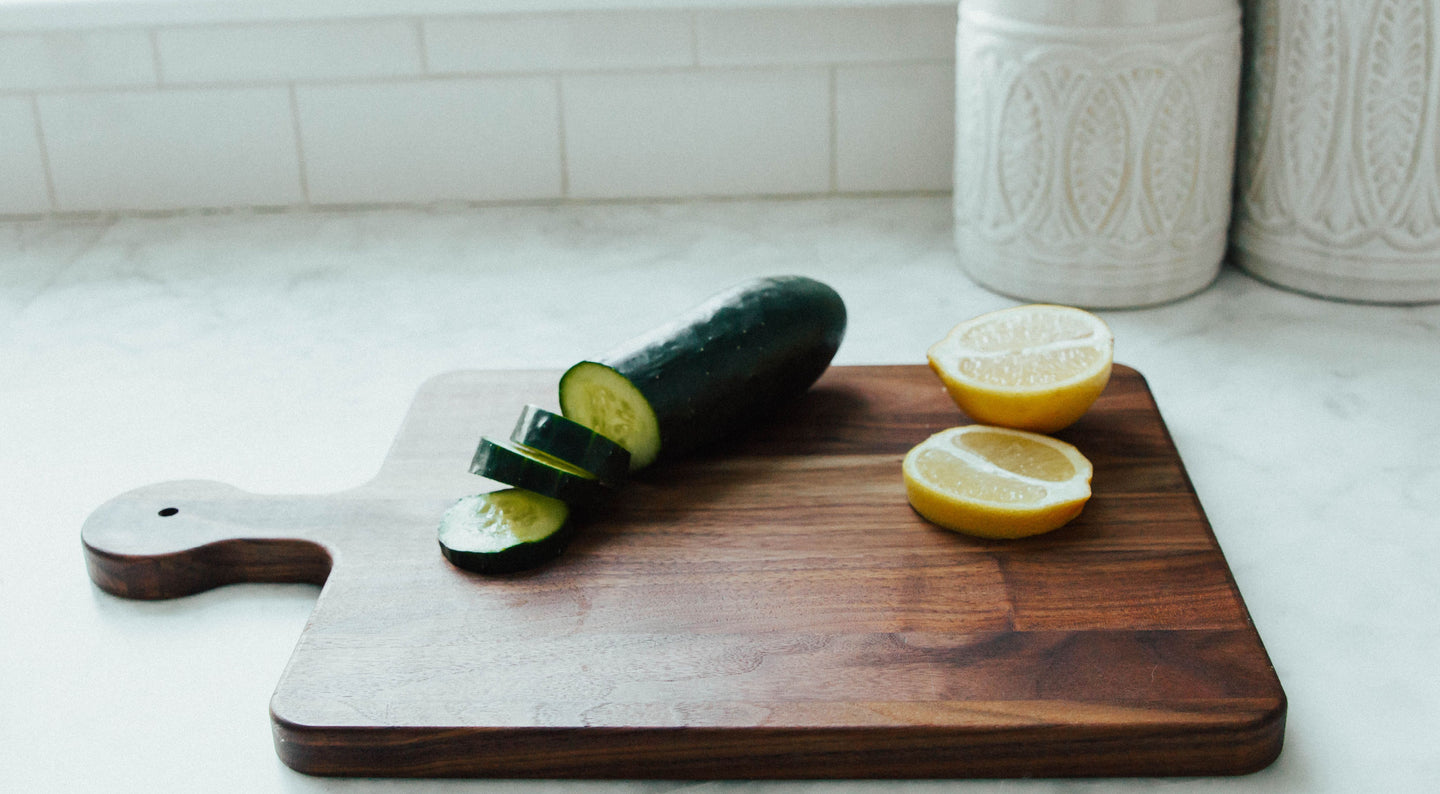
x=770, y=609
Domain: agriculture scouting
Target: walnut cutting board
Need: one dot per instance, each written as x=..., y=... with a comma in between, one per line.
x=772, y=610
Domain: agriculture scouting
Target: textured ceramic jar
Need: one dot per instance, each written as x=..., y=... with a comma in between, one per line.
x=1095, y=144
x=1339, y=173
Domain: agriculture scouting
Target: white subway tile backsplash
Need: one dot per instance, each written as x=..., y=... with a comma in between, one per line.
x=819, y=35
x=22, y=172
x=289, y=51
x=338, y=106
x=573, y=41
x=728, y=132
x=171, y=149
x=452, y=139
x=895, y=127
x=76, y=59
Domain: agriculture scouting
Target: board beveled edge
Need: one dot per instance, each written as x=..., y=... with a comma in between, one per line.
x=182, y=573
x=1246, y=744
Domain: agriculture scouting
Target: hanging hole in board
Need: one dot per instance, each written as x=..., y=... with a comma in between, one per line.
x=166, y=512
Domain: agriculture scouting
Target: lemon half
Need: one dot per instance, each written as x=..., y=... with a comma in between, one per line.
x=1038, y=367
x=996, y=482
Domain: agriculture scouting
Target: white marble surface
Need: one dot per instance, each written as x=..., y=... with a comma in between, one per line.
x=279, y=352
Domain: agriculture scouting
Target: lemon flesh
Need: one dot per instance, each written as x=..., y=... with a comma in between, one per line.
x=996, y=482
x=1037, y=367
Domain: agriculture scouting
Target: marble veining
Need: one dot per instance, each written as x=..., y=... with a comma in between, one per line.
x=278, y=352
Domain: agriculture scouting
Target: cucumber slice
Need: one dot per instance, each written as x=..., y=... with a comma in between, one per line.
x=712, y=372
x=504, y=531
x=572, y=442
x=533, y=470
x=597, y=396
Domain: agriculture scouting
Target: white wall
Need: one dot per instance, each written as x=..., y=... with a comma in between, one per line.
x=669, y=100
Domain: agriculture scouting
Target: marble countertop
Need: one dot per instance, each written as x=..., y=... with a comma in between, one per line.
x=279, y=352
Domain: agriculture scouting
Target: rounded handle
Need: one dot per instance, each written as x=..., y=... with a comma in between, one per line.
x=178, y=538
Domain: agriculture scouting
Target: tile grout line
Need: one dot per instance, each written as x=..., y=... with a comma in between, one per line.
x=694, y=19
x=517, y=74
x=45, y=168
x=109, y=216
x=299, y=146
x=834, y=130
x=422, y=46
x=155, y=60
x=560, y=136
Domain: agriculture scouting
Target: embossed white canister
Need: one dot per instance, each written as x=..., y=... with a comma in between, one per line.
x=1339, y=174
x=1095, y=145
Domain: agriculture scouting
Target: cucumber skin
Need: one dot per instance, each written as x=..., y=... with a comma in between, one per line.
x=493, y=460
x=520, y=557
x=573, y=443
x=732, y=359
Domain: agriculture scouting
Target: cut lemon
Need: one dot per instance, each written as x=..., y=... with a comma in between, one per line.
x=996, y=482
x=1036, y=367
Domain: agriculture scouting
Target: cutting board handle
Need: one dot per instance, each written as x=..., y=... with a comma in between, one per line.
x=177, y=538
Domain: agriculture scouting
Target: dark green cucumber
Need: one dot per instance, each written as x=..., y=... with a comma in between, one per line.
x=710, y=372
x=533, y=470
x=573, y=443
x=504, y=531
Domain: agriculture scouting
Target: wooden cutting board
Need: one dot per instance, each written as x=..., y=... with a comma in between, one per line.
x=771, y=610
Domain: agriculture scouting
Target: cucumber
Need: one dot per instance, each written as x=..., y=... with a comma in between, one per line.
x=533, y=470
x=710, y=372
x=573, y=443
x=504, y=531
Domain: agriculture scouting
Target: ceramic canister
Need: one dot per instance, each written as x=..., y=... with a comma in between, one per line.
x=1095, y=144
x=1339, y=167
